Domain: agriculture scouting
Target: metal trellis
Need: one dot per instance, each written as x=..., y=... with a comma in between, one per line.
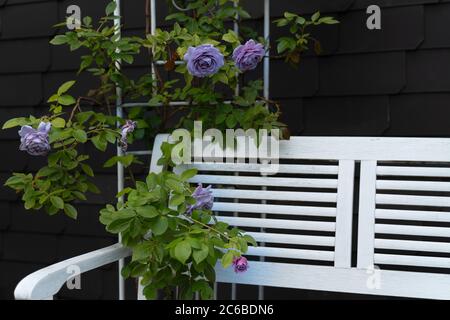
x=120, y=106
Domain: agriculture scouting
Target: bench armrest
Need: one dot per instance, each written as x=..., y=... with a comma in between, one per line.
x=46, y=282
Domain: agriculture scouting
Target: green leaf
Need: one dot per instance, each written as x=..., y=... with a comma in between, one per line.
x=147, y=212
x=141, y=251
x=222, y=77
x=111, y=162
x=65, y=87
x=82, y=117
x=100, y=142
x=58, y=123
x=128, y=58
x=154, y=101
x=230, y=37
x=227, y=259
x=53, y=98
x=87, y=20
x=200, y=255
x=151, y=181
x=66, y=100
x=315, y=16
x=231, y=121
x=70, y=210
x=300, y=20
x=124, y=192
x=57, y=202
x=175, y=185
x=11, y=123
x=281, y=22
x=150, y=292
x=59, y=39
x=110, y=8
x=289, y=15
x=176, y=200
x=182, y=251
x=87, y=169
x=328, y=20
x=159, y=226
x=119, y=225
x=86, y=62
x=250, y=240
x=92, y=187
x=285, y=43
x=80, y=135
x=125, y=160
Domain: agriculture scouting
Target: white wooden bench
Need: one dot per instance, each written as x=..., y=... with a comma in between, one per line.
x=307, y=215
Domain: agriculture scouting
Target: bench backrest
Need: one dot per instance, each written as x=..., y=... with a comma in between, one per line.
x=303, y=217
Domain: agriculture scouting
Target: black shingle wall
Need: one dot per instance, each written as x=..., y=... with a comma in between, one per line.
x=393, y=82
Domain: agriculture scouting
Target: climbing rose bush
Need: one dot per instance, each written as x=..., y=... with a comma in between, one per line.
x=204, y=199
x=125, y=130
x=203, y=60
x=184, y=246
x=240, y=264
x=248, y=55
x=35, y=141
x=175, y=237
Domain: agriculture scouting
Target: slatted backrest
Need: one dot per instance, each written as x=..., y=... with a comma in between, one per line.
x=304, y=212
x=405, y=212
x=303, y=215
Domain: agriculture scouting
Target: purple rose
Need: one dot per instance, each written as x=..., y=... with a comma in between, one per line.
x=35, y=142
x=204, y=60
x=240, y=264
x=126, y=129
x=203, y=197
x=248, y=55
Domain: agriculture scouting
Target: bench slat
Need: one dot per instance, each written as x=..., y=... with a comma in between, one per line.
x=274, y=195
x=413, y=171
x=400, y=199
x=393, y=283
x=418, y=261
x=412, y=230
x=274, y=209
x=292, y=239
x=413, y=185
x=279, y=224
x=414, y=215
x=249, y=167
x=291, y=253
x=265, y=181
x=428, y=246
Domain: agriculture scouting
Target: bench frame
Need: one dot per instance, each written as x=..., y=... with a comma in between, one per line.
x=341, y=277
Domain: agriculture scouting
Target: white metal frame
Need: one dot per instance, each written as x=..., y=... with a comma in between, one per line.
x=120, y=106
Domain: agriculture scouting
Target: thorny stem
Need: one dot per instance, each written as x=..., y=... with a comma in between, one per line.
x=130, y=172
x=209, y=227
x=77, y=105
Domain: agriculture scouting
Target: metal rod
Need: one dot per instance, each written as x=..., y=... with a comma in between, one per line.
x=172, y=103
x=119, y=113
x=267, y=55
x=236, y=92
x=163, y=62
x=266, y=75
x=140, y=152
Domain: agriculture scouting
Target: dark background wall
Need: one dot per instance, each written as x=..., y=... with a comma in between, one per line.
x=393, y=82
